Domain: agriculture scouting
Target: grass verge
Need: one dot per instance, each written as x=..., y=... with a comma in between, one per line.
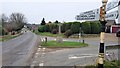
x=49, y=34
x=107, y=64
x=8, y=37
x=64, y=44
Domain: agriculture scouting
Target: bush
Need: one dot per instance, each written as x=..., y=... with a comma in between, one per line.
x=86, y=27
x=41, y=29
x=4, y=32
x=47, y=28
x=52, y=26
x=95, y=28
x=68, y=33
x=75, y=27
x=63, y=27
x=54, y=31
x=66, y=26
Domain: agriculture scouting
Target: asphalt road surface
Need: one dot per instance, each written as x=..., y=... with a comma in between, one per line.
x=69, y=57
x=18, y=51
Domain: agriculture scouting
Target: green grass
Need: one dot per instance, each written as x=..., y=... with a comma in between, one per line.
x=108, y=64
x=8, y=37
x=63, y=44
x=49, y=34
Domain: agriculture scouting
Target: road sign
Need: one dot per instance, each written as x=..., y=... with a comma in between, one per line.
x=91, y=15
x=119, y=12
x=112, y=15
x=111, y=5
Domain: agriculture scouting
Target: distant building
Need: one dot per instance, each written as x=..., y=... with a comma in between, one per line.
x=108, y=25
x=112, y=27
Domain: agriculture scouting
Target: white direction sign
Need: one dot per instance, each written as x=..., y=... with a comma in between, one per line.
x=91, y=15
x=112, y=15
x=119, y=12
x=94, y=15
x=111, y=5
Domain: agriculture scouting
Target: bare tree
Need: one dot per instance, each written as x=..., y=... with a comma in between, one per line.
x=3, y=19
x=17, y=20
x=3, y=22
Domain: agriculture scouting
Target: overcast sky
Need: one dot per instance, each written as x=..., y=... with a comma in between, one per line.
x=51, y=10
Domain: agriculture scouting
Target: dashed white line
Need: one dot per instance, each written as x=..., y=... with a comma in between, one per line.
x=37, y=53
x=44, y=48
x=81, y=56
x=39, y=48
x=41, y=64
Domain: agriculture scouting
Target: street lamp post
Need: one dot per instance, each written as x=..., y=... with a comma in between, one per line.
x=102, y=34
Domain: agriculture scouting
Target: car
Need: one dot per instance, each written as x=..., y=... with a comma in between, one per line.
x=118, y=33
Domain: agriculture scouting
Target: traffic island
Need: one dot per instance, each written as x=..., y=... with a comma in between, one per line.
x=64, y=44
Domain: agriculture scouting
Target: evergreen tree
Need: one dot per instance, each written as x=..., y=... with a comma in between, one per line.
x=43, y=22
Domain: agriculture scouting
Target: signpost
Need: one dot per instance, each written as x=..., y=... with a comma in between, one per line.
x=112, y=15
x=119, y=12
x=91, y=15
x=95, y=15
x=111, y=5
x=100, y=14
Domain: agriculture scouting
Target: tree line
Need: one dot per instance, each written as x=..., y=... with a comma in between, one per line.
x=14, y=23
x=70, y=28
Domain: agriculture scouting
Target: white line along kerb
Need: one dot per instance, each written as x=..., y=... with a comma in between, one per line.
x=41, y=64
x=44, y=48
x=37, y=53
x=39, y=48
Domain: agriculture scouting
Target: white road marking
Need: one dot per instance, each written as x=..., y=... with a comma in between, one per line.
x=39, y=48
x=62, y=50
x=44, y=48
x=76, y=57
x=41, y=64
x=55, y=39
x=79, y=56
x=65, y=40
x=37, y=53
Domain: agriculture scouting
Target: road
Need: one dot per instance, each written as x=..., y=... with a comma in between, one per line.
x=18, y=51
x=69, y=57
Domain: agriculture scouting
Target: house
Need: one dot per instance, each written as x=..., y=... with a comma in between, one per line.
x=108, y=25
x=114, y=28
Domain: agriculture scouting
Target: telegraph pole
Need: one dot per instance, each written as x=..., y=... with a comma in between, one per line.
x=102, y=34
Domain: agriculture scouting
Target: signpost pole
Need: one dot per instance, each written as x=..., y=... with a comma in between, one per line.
x=102, y=34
